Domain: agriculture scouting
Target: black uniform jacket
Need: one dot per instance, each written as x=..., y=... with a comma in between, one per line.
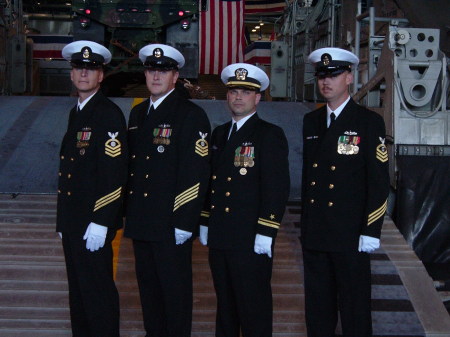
x=169, y=168
x=345, y=181
x=93, y=167
x=249, y=186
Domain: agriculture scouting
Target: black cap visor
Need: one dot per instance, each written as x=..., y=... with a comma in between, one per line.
x=94, y=61
x=160, y=63
x=333, y=68
x=87, y=65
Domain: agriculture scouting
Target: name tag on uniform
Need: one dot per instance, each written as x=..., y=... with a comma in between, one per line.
x=312, y=137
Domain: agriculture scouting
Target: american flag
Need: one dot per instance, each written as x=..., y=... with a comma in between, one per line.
x=221, y=35
x=49, y=46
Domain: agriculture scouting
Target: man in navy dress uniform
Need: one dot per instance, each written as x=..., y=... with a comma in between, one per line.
x=248, y=193
x=92, y=177
x=345, y=187
x=169, y=172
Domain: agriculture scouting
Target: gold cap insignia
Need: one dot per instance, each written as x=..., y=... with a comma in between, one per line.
x=326, y=59
x=241, y=74
x=157, y=52
x=86, y=53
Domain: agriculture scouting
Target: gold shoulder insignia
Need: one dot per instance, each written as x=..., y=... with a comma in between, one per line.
x=113, y=146
x=201, y=145
x=381, y=153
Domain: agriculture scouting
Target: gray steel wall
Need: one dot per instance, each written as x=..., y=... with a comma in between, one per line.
x=31, y=129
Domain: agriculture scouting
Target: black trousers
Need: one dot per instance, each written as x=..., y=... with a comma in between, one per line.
x=164, y=274
x=93, y=296
x=337, y=281
x=244, y=294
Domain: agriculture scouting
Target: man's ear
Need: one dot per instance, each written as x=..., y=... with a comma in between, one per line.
x=349, y=78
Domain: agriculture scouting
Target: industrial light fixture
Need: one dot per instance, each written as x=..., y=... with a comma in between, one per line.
x=84, y=22
x=185, y=24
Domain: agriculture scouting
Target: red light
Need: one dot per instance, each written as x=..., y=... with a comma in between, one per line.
x=88, y=11
x=180, y=13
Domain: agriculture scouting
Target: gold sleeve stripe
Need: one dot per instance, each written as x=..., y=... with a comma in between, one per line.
x=186, y=196
x=268, y=223
x=107, y=199
x=204, y=214
x=378, y=213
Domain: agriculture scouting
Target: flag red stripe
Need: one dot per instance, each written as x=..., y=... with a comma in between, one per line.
x=221, y=35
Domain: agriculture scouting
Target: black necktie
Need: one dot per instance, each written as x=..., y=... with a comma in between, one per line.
x=233, y=131
x=152, y=109
x=332, y=119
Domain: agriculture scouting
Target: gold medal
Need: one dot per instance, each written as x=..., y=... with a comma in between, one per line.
x=243, y=171
x=251, y=162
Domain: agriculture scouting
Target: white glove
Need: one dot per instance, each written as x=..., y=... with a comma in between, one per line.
x=203, y=237
x=95, y=236
x=181, y=236
x=60, y=234
x=263, y=245
x=368, y=244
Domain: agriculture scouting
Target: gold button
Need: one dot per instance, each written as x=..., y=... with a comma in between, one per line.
x=146, y=176
x=227, y=194
x=331, y=186
x=227, y=209
x=333, y=168
x=145, y=195
x=69, y=176
x=212, y=206
x=59, y=191
x=212, y=191
x=60, y=174
x=69, y=193
x=214, y=177
x=132, y=174
x=148, y=157
x=315, y=165
x=71, y=159
x=62, y=157
x=330, y=204
x=133, y=156
x=312, y=201
x=313, y=183
x=131, y=192
x=229, y=179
